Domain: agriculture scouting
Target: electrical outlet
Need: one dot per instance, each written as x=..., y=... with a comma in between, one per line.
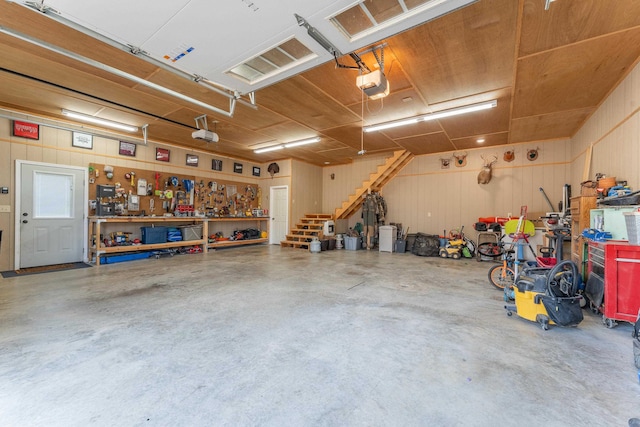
x=509, y=215
x=5, y=208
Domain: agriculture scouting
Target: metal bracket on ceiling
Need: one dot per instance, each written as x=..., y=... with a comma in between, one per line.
x=136, y=50
x=145, y=127
x=202, y=121
x=318, y=36
x=381, y=59
x=39, y=5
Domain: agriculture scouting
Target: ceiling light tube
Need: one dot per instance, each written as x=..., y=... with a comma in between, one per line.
x=302, y=142
x=390, y=125
x=99, y=121
x=461, y=110
x=433, y=116
x=267, y=149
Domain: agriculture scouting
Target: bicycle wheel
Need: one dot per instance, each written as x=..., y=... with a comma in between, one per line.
x=490, y=249
x=471, y=245
x=501, y=277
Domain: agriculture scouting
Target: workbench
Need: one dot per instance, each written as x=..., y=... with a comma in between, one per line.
x=99, y=226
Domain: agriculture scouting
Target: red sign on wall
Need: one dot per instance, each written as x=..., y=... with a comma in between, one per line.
x=26, y=130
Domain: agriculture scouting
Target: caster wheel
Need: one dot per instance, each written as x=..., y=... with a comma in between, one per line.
x=609, y=323
x=509, y=313
x=543, y=321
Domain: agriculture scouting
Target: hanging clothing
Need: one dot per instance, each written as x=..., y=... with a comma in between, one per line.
x=370, y=211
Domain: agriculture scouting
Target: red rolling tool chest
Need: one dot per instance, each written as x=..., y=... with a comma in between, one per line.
x=617, y=264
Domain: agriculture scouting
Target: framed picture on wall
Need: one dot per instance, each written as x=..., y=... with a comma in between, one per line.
x=162, y=154
x=192, y=160
x=127, y=149
x=216, y=165
x=237, y=167
x=82, y=140
x=26, y=130
x=256, y=171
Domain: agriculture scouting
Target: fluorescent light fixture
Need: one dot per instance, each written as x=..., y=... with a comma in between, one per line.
x=390, y=125
x=267, y=149
x=288, y=145
x=302, y=142
x=99, y=121
x=433, y=116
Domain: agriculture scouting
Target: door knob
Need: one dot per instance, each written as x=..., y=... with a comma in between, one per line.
x=24, y=221
x=25, y=214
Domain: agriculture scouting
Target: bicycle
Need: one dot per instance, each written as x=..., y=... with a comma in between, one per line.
x=504, y=274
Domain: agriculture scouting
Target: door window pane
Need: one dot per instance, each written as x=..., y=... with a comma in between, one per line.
x=52, y=195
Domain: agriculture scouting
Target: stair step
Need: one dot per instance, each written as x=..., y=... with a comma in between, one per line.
x=319, y=216
x=292, y=244
x=305, y=230
x=299, y=237
x=384, y=173
x=307, y=226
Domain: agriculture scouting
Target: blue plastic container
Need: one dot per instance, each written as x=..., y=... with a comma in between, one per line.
x=153, y=235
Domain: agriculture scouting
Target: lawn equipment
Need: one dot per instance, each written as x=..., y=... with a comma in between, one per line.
x=548, y=296
x=453, y=249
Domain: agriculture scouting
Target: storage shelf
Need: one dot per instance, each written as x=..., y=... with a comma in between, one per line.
x=228, y=243
x=96, y=224
x=152, y=246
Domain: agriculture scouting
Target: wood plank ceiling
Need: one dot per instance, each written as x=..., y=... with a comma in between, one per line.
x=547, y=69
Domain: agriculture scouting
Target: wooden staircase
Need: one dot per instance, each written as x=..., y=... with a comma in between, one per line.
x=376, y=181
x=308, y=227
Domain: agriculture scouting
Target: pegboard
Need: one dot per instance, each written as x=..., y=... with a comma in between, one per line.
x=160, y=193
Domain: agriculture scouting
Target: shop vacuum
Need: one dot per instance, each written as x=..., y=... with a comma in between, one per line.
x=548, y=296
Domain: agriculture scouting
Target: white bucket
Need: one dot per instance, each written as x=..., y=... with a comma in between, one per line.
x=339, y=241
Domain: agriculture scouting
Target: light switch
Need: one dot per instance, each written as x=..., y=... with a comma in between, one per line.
x=5, y=208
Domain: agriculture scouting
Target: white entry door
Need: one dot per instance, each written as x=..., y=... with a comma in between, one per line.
x=279, y=213
x=50, y=213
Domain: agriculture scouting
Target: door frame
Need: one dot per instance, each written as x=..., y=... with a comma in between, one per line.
x=271, y=211
x=18, y=207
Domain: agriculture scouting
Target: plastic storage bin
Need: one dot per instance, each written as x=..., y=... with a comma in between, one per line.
x=153, y=235
x=352, y=243
x=191, y=232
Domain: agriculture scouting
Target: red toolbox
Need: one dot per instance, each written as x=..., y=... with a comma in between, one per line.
x=616, y=264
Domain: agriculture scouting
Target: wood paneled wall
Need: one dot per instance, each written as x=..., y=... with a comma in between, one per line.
x=306, y=191
x=614, y=131
x=429, y=199
x=54, y=146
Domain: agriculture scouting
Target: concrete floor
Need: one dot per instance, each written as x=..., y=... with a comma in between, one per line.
x=270, y=336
